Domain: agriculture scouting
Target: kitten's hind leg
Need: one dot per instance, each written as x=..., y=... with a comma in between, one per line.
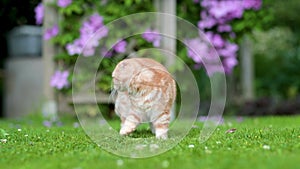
x=161, y=126
x=152, y=127
x=122, y=121
x=129, y=125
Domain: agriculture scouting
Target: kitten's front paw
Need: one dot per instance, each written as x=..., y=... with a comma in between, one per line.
x=125, y=131
x=161, y=134
x=163, y=137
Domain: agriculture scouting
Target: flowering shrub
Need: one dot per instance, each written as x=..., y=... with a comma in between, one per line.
x=215, y=22
x=84, y=21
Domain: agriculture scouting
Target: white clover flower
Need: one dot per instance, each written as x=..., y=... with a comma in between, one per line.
x=191, y=146
x=165, y=164
x=266, y=147
x=153, y=147
x=3, y=140
x=120, y=162
x=140, y=146
x=208, y=151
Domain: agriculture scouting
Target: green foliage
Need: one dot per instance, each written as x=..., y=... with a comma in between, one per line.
x=75, y=8
x=279, y=50
x=107, y=66
x=255, y=20
x=271, y=142
x=287, y=13
x=189, y=11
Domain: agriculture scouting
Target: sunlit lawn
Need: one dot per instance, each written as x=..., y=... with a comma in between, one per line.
x=265, y=142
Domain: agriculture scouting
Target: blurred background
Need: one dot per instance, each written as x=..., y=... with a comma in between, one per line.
x=272, y=38
x=14, y=14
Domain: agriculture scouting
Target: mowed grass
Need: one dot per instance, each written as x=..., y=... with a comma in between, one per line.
x=262, y=142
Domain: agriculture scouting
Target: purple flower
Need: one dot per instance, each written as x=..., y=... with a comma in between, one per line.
x=203, y=54
x=88, y=51
x=202, y=118
x=226, y=9
x=102, y=32
x=59, y=123
x=156, y=43
x=76, y=125
x=214, y=119
x=60, y=79
x=89, y=41
x=229, y=63
x=219, y=10
x=47, y=123
x=152, y=36
x=217, y=41
x=91, y=31
x=51, y=32
x=224, y=28
x=239, y=119
x=74, y=48
x=197, y=49
x=208, y=22
x=252, y=4
x=96, y=21
x=120, y=47
x=39, y=13
x=86, y=28
x=63, y=3
x=229, y=50
x=106, y=53
x=211, y=69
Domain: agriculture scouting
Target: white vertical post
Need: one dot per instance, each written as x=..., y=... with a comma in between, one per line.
x=247, y=68
x=167, y=25
x=49, y=50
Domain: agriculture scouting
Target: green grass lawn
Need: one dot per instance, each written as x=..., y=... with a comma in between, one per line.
x=265, y=142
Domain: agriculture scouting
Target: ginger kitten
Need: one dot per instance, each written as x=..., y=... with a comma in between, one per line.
x=146, y=92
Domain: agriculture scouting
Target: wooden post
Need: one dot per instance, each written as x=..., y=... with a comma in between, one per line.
x=247, y=68
x=49, y=50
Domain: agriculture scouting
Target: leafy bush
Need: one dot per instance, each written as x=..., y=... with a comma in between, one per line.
x=276, y=50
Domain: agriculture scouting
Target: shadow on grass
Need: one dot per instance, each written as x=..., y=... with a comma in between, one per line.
x=142, y=133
